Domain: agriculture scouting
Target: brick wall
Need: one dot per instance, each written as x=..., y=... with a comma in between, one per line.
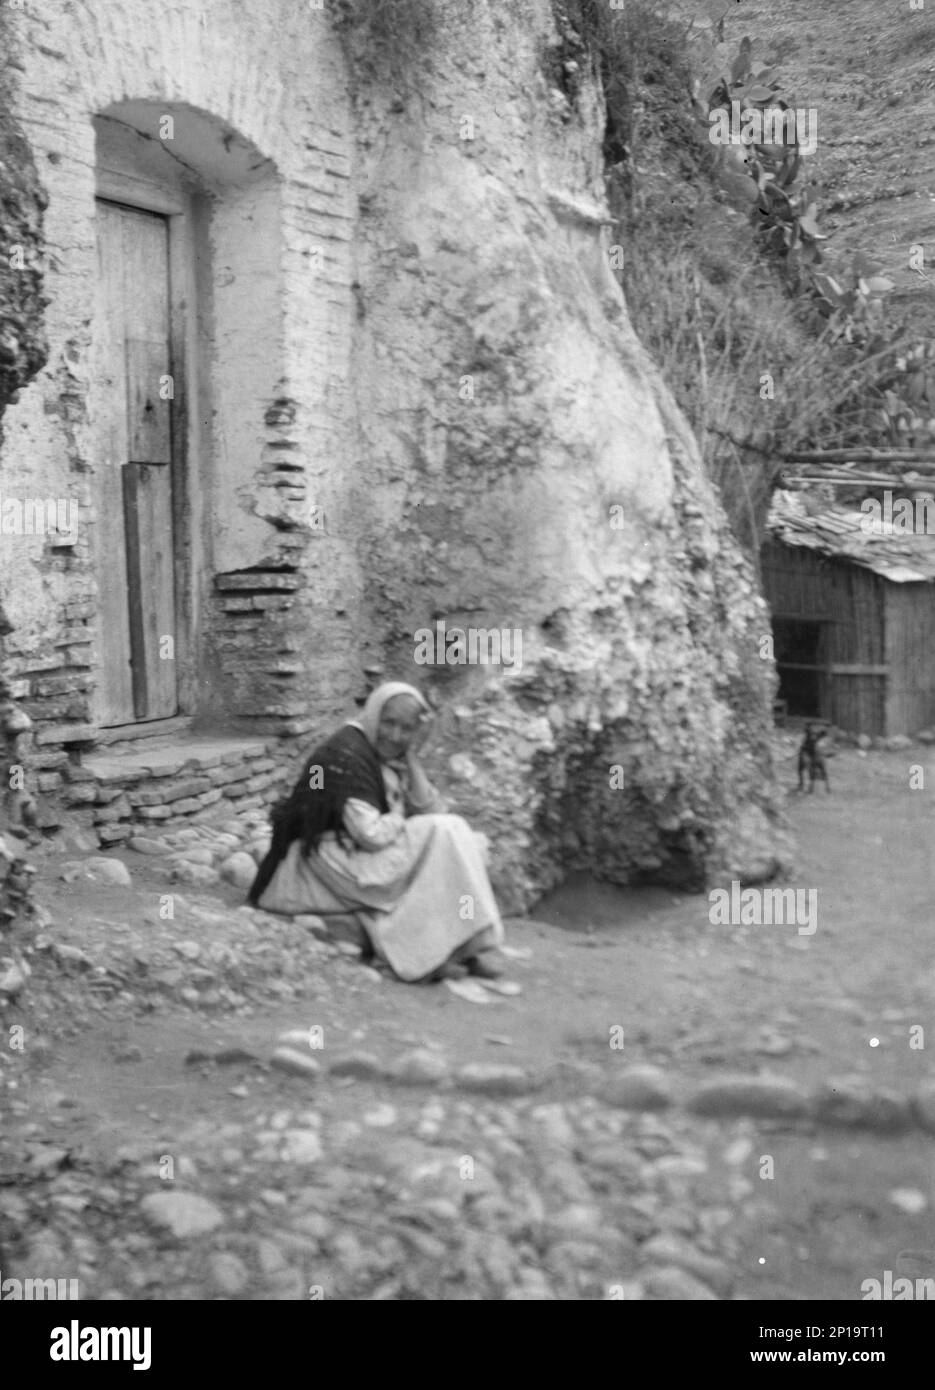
x=269, y=589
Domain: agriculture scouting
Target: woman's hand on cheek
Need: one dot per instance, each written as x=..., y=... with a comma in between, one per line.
x=420, y=738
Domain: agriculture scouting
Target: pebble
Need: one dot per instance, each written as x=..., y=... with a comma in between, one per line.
x=738, y=1152
x=555, y=1128
x=669, y=1250
x=239, y=869
x=314, y=1224
x=228, y=1273
x=848, y=1102
x=767, y=1097
x=532, y=1286
x=269, y=1256
x=146, y=844
x=669, y=1282
x=197, y=875
x=12, y=978
x=287, y=1059
x=421, y=1067
x=381, y=1116
x=639, y=1088
x=197, y=855
x=679, y=1166
x=110, y=871
x=99, y=870
x=183, y=1214
x=364, y=1066
x=489, y=1079
x=908, y=1199
x=301, y=1146
x=578, y=1218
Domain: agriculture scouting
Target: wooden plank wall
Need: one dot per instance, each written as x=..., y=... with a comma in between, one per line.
x=799, y=583
x=910, y=650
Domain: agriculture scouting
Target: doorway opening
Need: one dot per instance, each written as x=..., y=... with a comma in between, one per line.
x=187, y=339
x=800, y=648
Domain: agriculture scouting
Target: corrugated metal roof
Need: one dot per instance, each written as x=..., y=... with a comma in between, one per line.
x=901, y=558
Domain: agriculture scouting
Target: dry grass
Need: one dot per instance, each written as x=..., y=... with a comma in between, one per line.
x=705, y=301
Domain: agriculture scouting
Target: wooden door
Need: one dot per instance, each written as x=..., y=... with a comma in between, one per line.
x=136, y=550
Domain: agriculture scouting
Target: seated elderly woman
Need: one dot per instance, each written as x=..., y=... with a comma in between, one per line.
x=364, y=831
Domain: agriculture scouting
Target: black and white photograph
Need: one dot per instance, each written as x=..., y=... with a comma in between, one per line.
x=467, y=665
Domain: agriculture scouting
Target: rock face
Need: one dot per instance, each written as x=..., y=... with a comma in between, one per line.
x=536, y=480
x=458, y=390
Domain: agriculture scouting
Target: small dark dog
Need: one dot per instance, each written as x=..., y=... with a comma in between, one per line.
x=815, y=749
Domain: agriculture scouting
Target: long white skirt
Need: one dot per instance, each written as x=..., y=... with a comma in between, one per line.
x=419, y=898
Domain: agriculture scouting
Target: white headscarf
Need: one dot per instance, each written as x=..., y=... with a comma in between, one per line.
x=369, y=717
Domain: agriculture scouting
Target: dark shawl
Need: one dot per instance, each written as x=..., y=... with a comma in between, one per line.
x=349, y=767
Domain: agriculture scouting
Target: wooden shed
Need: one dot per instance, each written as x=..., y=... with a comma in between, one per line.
x=853, y=617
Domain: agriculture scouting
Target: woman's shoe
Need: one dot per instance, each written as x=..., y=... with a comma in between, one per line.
x=484, y=967
x=451, y=970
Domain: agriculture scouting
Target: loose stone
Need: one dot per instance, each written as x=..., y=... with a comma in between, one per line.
x=767, y=1097
x=301, y=1146
x=639, y=1088
x=183, y=1214
x=239, y=869
x=362, y=1065
x=421, y=1067
x=492, y=1080
x=228, y=1273
x=671, y=1283
x=287, y=1059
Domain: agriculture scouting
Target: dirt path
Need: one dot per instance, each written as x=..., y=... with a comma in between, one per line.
x=693, y=999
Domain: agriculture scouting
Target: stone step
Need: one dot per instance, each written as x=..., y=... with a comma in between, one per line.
x=152, y=783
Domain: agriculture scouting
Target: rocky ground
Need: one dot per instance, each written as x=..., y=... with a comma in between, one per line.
x=203, y=1101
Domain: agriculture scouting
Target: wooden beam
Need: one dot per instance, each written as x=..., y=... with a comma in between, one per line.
x=841, y=476
x=834, y=670
x=859, y=456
